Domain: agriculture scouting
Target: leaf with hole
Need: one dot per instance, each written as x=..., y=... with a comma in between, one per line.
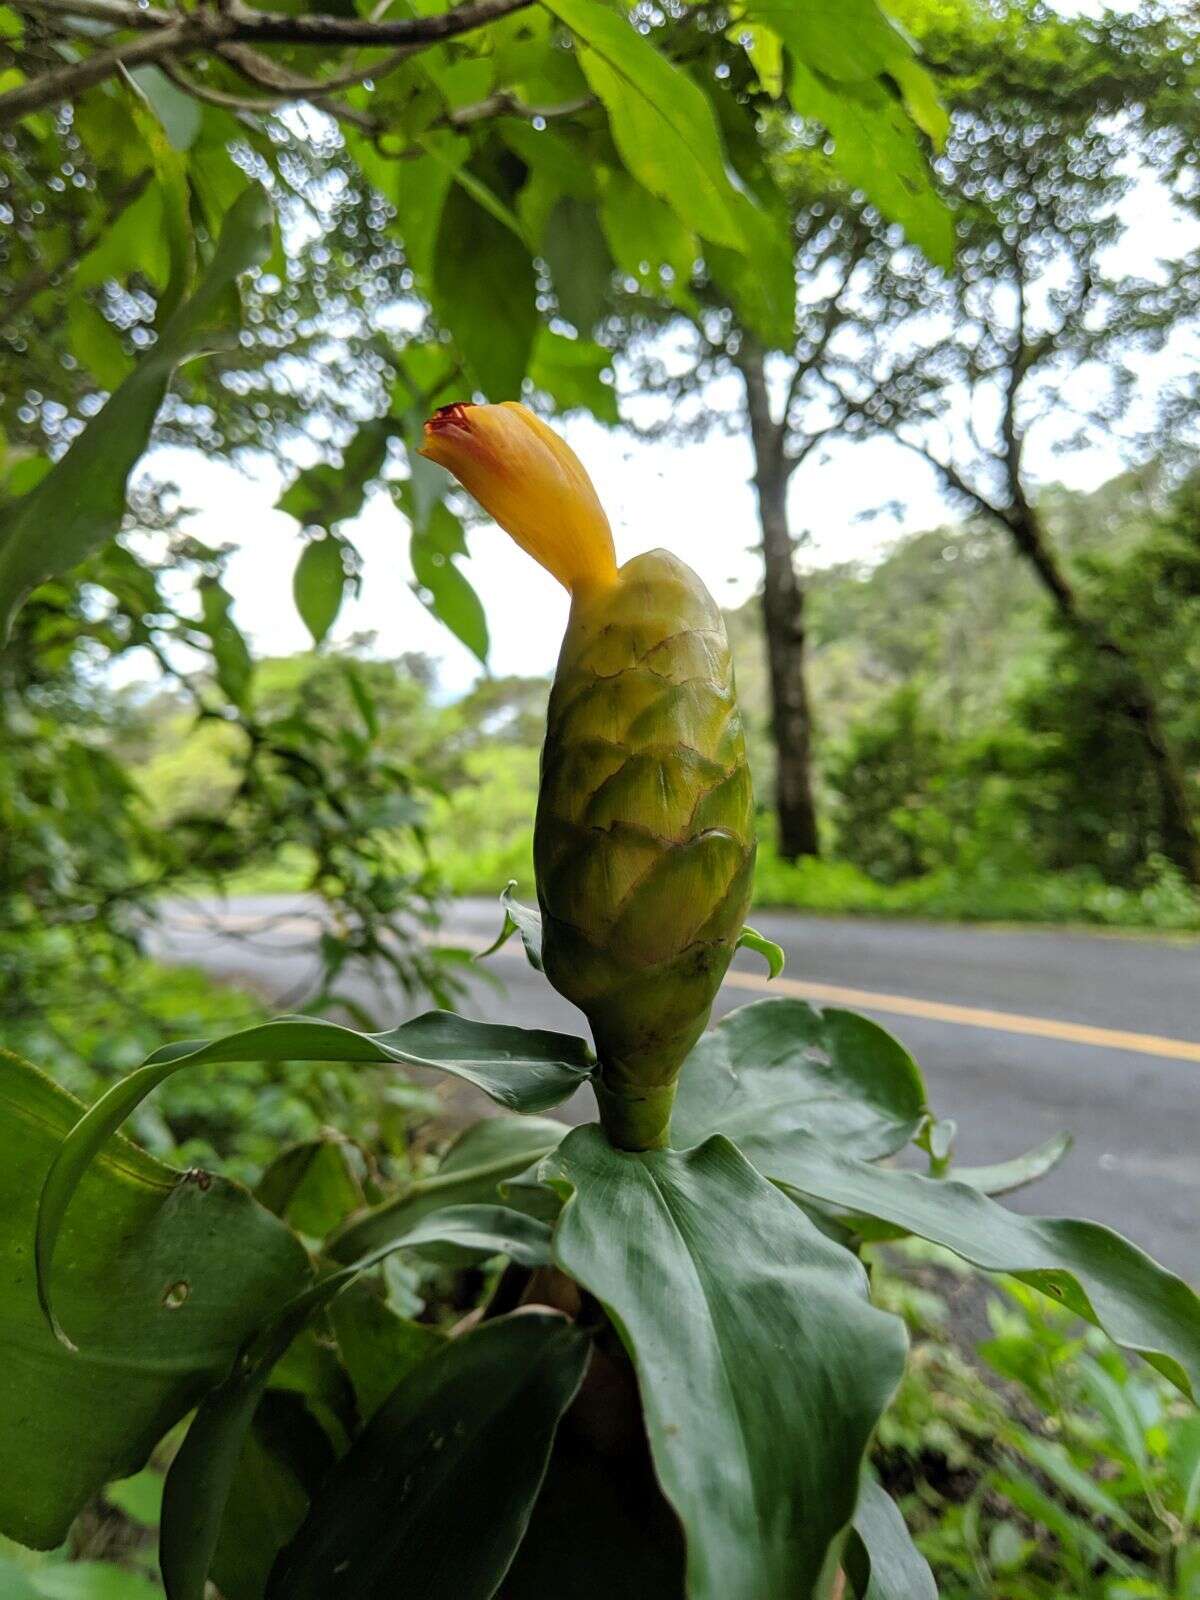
x=522, y=1069
x=162, y=1276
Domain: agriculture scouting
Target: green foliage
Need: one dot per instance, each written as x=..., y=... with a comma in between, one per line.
x=165, y=1313
x=725, y=1274
x=704, y=1270
x=77, y=506
x=1057, y=1469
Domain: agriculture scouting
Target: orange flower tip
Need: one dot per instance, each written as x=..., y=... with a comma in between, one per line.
x=531, y=482
x=445, y=422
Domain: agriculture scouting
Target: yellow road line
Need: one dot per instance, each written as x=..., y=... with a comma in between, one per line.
x=900, y=1005
x=1146, y=1044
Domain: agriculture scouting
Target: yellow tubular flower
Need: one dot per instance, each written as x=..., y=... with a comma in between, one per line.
x=644, y=840
x=530, y=482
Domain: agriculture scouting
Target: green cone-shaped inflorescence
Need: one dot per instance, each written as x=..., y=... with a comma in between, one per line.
x=644, y=843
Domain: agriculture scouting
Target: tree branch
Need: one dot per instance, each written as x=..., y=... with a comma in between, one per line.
x=65, y=83
x=233, y=25
x=120, y=13
x=954, y=480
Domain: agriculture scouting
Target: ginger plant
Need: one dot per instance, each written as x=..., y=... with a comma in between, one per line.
x=671, y=1389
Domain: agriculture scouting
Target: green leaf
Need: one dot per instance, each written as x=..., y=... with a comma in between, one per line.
x=1006, y=1176
x=284, y=1456
x=231, y=654
x=79, y=503
x=522, y=919
x=319, y=584
x=440, y=585
x=882, y=1562
x=523, y=1069
x=877, y=150
x=435, y=1495
x=856, y=43
x=139, y=1497
x=470, y=1173
x=765, y=49
x=772, y=954
x=1093, y=1271
x=647, y=239
x=314, y=1185
x=571, y=372
x=484, y=292
x=163, y=1275
x=135, y=242
x=180, y=115
x=95, y=344
x=580, y=266
x=171, y=176
x=779, y=1069
x=201, y=1475
x=377, y=1345
x=324, y=494
x=763, y=1368
x=661, y=122
x=89, y=1580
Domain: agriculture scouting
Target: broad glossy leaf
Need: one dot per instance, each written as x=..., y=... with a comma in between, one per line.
x=647, y=239
x=201, y=1475
x=319, y=584
x=1005, y=1177
x=848, y=61
x=484, y=293
x=1089, y=1268
x=778, y=1068
x=180, y=115
x=762, y=1365
x=79, y=503
x=435, y=1495
x=470, y=1173
x=523, y=1069
x=95, y=344
x=600, y=1530
x=882, y=1562
x=661, y=122
x=162, y=1275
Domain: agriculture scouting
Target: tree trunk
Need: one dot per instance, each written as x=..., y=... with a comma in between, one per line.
x=1181, y=843
x=783, y=623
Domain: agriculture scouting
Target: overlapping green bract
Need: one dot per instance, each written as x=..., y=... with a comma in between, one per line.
x=644, y=843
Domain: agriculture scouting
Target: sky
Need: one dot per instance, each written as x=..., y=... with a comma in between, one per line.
x=694, y=499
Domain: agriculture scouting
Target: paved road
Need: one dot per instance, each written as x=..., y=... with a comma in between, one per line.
x=1020, y=1034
